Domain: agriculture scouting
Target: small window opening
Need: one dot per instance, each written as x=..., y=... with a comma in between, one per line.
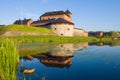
x=68, y=29
x=55, y=28
x=68, y=50
x=61, y=34
x=61, y=45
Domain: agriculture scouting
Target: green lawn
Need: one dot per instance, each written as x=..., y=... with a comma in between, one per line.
x=51, y=39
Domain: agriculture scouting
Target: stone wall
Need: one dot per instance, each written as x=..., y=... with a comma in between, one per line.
x=85, y=34
x=62, y=29
x=80, y=32
x=67, y=30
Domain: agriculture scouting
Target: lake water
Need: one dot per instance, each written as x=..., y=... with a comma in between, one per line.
x=81, y=61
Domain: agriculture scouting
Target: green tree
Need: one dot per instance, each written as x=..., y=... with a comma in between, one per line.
x=114, y=34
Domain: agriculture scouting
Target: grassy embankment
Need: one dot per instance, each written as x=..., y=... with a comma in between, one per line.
x=25, y=29
x=8, y=60
x=44, y=39
x=50, y=37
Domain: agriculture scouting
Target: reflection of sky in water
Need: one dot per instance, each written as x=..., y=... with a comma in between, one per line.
x=91, y=63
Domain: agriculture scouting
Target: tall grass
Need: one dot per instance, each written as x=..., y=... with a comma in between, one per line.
x=8, y=60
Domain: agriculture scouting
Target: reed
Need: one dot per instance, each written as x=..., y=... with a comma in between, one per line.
x=8, y=60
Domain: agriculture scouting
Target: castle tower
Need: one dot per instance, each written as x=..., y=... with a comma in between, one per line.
x=69, y=13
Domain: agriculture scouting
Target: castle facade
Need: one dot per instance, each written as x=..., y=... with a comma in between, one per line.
x=60, y=22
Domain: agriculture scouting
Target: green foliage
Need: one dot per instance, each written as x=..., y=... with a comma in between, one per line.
x=8, y=60
x=113, y=34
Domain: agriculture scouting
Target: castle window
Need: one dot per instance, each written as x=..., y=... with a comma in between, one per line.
x=55, y=28
x=61, y=34
x=68, y=29
x=68, y=50
x=61, y=45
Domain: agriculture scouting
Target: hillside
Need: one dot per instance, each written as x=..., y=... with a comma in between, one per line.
x=21, y=30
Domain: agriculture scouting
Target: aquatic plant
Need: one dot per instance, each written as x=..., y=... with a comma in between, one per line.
x=8, y=60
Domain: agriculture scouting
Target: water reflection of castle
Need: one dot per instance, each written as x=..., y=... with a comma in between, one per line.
x=58, y=56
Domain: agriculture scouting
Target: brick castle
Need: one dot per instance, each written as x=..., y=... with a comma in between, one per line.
x=60, y=22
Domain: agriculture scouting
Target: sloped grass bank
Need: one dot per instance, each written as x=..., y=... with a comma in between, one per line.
x=25, y=29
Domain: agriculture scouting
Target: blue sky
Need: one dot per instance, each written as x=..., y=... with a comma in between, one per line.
x=91, y=15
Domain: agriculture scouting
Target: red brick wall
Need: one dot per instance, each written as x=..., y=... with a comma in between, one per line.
x=56, y=17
